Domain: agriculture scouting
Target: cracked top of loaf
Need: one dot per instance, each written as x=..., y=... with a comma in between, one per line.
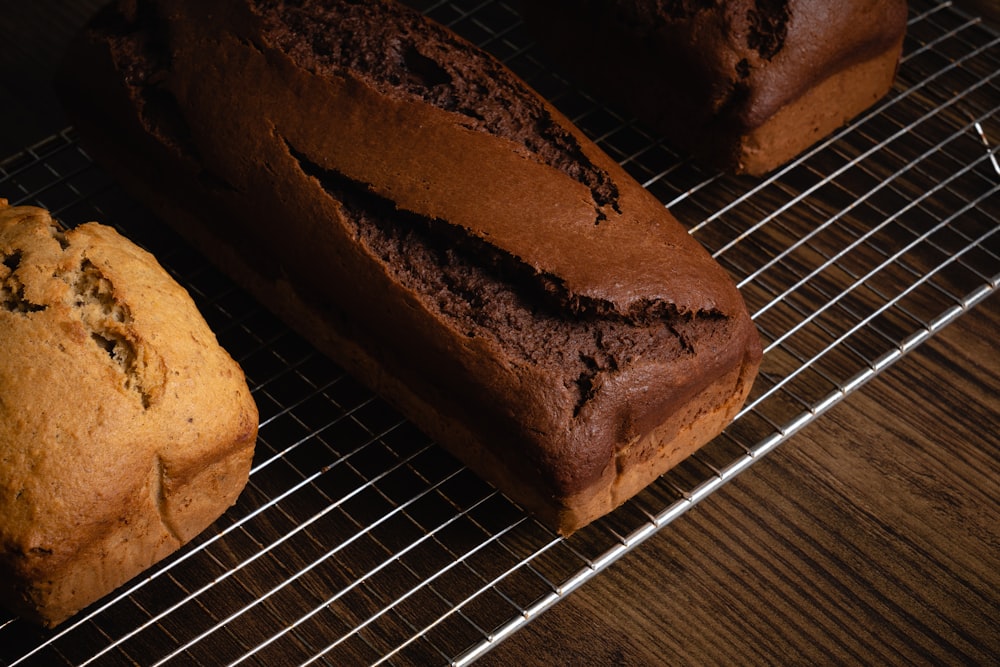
x=422, y=197
x=519, y=178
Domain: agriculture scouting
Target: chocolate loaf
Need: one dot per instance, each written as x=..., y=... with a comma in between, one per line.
x=430, y=222
x=744, y=85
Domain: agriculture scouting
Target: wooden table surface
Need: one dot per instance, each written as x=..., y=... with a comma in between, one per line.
x=871, y=537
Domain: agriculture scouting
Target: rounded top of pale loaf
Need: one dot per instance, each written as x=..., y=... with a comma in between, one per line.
x=111, y=384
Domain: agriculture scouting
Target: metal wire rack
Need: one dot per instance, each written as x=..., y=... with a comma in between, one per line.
x=359, y=541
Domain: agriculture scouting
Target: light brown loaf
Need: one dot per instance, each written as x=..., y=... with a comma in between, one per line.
x=421, y=215
x=125, y=429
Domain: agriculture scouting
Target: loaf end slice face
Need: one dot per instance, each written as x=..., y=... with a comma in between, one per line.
x=421, y=215
x=125, y=429
x=743, y=85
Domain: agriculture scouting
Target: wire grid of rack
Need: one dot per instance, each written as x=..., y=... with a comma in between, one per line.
x=358, y=540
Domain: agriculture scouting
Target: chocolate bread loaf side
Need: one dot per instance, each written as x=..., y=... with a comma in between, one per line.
x=425, y=218
x=744, y=85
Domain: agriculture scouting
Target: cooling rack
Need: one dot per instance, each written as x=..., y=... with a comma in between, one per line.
x=359, y=541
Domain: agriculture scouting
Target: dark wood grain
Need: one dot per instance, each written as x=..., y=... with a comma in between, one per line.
x=871, y=537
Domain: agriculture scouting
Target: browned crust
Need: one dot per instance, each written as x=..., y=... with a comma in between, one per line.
x=689, y=427
x=720, y=83
x=821, y=110
x=503, y=417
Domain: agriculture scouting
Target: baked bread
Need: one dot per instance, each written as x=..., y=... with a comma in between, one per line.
x=125, y=429
x=430, y=222
x=744, y=85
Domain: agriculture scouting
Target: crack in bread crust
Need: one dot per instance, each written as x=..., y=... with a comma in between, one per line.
x=399, y=54
x=158, y=496
x=489, y=294
x=26, y=289
x=110, y=324
x=12, y=298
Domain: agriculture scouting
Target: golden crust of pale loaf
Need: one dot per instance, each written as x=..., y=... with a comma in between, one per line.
x=125, y=429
